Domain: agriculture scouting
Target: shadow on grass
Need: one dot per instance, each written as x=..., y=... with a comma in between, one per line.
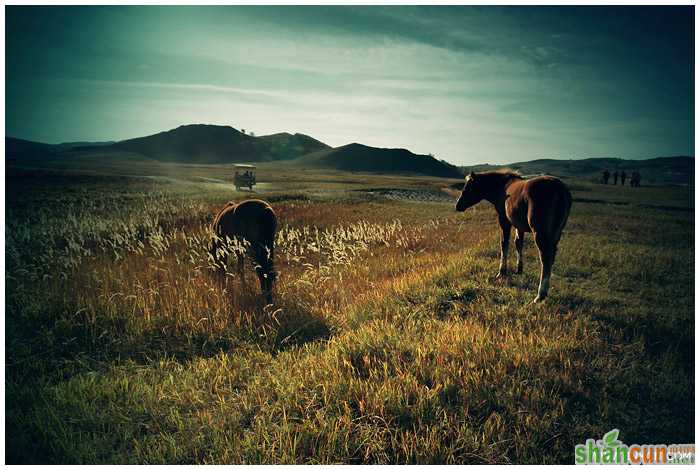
x=67, y=340
x=278, y=326
x=454, y=302
x=661, y=333
x=295, y=325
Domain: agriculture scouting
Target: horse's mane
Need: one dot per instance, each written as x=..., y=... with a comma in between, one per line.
x=509, y=172
x=505, y=173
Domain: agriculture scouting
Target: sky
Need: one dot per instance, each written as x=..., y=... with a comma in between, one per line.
x=467, y=84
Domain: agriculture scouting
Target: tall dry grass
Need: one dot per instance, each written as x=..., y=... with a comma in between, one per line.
x=388, y=342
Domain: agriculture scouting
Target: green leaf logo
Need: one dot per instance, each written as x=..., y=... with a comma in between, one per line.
x=610, y=438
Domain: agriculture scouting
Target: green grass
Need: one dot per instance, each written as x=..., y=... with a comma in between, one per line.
x=389, y=342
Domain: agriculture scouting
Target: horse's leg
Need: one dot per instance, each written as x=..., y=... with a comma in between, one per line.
x=263, y=257
x=241, y=266
x=505, y=239
x=547, y=251
x=519, y=241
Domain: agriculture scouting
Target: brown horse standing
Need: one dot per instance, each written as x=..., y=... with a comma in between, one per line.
x=539, y=205
x=254, y=222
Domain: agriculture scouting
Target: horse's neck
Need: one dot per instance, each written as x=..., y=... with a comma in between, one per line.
x=499, y=189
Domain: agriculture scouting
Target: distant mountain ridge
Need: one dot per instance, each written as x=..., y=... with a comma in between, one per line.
x=22, y=148
x=358, y=157
x=204, y=143
x=79, y=145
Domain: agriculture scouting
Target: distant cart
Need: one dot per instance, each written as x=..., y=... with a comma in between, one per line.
x=244, y=176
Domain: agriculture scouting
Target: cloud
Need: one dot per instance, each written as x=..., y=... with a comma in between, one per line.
x=469, y=84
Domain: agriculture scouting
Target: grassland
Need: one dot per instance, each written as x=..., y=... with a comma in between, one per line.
x=389, y=342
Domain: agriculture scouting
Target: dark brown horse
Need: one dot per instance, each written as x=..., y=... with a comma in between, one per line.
x=251, y=223
x=539, y=205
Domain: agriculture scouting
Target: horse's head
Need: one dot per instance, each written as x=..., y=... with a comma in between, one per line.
x=267, y=279
x=265, y=269
x=472, y=192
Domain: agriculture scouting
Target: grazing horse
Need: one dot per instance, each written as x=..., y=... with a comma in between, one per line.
x=539, y=205
x=252, y=222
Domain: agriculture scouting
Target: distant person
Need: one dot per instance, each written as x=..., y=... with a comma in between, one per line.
x=623, y=177
x=635, y=179
x=606, y=176
x=615, y=175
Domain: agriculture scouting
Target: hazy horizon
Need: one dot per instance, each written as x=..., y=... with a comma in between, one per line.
x=467, y=84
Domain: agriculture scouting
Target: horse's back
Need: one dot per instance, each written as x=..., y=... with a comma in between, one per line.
x=252, y=219
x=549, y=205
x=543, y=189
x=539, y=204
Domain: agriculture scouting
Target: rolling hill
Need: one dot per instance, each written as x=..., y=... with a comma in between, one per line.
x=358, y=157
x=286, y=146
x=80, y=145
x=211, y=144
x=203, y=143
x=26, y=149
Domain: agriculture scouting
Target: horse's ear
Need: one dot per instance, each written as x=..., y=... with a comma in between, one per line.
x=472, y=175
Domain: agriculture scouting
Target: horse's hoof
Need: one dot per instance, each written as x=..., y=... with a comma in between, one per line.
x=519, y=270
x=501, y=275
x=538, y=300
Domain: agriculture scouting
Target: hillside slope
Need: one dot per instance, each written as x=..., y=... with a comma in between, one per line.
x=27, y=149
x=286, y=146
x=203, y=143
x=358, y=157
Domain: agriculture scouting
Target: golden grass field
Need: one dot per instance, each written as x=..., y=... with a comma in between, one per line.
x=389, y=341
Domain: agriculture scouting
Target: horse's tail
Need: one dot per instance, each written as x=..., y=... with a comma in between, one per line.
x=265, y=251
x=562, y=209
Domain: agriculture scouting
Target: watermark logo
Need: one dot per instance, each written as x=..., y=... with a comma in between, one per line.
x=610, y=450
